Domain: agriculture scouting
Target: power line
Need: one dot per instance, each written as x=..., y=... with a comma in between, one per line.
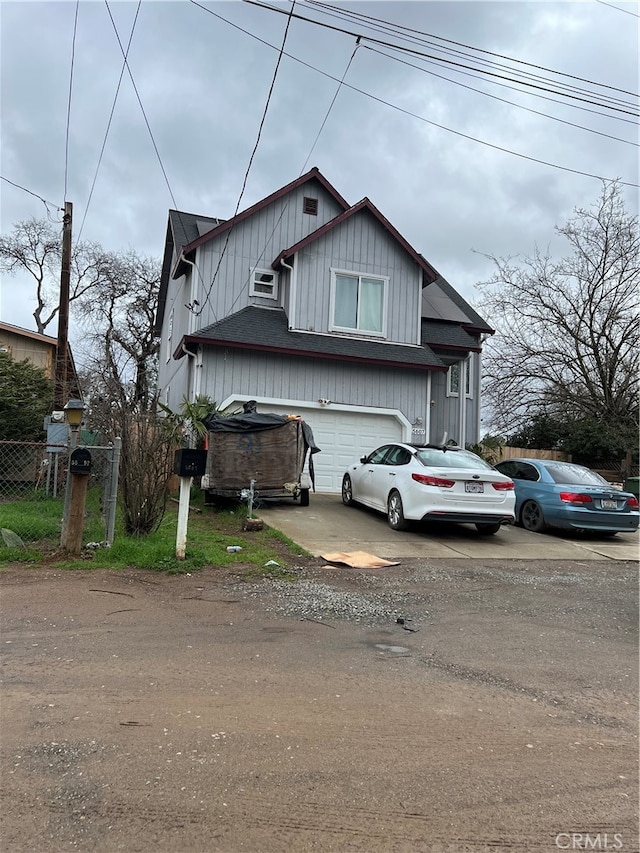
x=415, y=40
x=73, y=53
x=394, y=27
x=113, y=107
x=304, y=166
x=135, y=89
x=502, y=100
x=618, y=9
x=414, y=115
x=24, y=189
x=440, y=59
x=255, y=148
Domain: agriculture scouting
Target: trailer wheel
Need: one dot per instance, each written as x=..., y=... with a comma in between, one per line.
x=304, y=497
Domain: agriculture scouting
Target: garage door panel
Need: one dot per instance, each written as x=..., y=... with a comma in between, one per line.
x=343, y=437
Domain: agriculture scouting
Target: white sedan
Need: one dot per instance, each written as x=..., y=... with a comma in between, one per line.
x=431, y=483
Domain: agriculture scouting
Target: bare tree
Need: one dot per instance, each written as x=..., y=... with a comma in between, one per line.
x=568, y=331
x=35, y=247
x=120, y=367
x=120, y=341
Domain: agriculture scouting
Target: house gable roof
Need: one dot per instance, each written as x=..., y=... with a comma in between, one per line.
x=443, y=335
x=48, y=343
x=267, y=330
x=312, y=175
x=182, y=228
x=430, y=274
x=457, y=309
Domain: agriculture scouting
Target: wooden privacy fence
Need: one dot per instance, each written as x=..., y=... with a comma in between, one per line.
x=614, y=470
x=503, y=453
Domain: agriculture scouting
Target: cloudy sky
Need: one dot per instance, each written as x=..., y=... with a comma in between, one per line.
x=426, y=138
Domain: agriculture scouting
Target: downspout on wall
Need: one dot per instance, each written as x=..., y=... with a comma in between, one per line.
x=194, y=292
x=293, y=292
x=462, y=397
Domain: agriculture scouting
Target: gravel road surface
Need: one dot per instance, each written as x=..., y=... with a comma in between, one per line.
x=439, y=705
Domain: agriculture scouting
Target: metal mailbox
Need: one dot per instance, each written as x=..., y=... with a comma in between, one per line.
x=80, y=461
x=190, y=462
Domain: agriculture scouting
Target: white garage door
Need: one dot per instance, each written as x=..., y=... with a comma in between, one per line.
x=342, y=436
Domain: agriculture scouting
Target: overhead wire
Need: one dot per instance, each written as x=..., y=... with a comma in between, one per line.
x=248, y=169
x=46, y=203
x=358, y=16
x=414, y=115
x=111, y=114
x=67, y=134
x=125, y=64
x=304, y=166
x=511, y=88
x=135, y=89
x=502, y=100
x=617, y=8
x=416, y=40
x=368, y=38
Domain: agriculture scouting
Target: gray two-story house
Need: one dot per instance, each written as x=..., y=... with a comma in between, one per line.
x=314, y=307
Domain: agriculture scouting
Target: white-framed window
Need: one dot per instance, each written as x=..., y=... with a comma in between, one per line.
x=453, y=378
x=264, y=283
x=358, y=302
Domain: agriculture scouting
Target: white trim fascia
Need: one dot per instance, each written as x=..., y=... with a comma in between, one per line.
x=427, y=418
x=293, y=292
x=357, y=337
x=463, y=404
x=419, y=333
x=312, y=404
x=197, y=378
x=478, y=397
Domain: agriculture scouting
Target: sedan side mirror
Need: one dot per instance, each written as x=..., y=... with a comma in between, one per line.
x=364, y=459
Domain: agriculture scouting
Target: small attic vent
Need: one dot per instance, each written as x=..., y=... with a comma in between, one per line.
x=310, y=205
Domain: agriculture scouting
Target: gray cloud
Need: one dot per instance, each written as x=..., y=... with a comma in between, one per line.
x=204, y=84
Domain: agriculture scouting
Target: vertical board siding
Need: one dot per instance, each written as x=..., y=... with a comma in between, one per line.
x=360, y=245
x=229, y=372
x=256, y=241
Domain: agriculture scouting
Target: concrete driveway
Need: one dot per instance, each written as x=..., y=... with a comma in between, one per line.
x=326, y=526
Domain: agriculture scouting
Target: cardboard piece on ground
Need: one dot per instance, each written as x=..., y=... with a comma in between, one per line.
x=357, y=560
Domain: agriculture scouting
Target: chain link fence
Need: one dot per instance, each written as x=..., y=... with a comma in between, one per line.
x=33, y=489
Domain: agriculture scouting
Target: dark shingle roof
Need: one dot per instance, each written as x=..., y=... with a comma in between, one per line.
x=185, y=226
x=475, y=320
x=369, y=207
x=439, y=334
x=267, y=329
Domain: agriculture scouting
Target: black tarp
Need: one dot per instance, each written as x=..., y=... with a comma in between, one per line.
x=252, y=421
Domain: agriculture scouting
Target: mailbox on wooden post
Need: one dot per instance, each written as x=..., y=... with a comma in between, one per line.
x=187, y=463
x=80, y=461
x=77, y=482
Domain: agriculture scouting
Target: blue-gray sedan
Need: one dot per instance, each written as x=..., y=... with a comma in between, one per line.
x=561, y=494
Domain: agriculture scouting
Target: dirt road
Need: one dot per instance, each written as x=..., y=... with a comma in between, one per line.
x=153, y=713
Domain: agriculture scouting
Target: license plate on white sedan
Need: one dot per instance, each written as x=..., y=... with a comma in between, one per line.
x=476, y=488
x=605, y=504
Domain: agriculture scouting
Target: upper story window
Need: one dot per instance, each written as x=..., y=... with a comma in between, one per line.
x=358, y=302
x=453, y=378
x=264, y=283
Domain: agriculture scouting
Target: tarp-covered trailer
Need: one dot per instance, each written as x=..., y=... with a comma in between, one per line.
x=275, y=451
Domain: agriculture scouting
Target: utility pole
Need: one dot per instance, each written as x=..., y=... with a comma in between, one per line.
x=61, y=378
